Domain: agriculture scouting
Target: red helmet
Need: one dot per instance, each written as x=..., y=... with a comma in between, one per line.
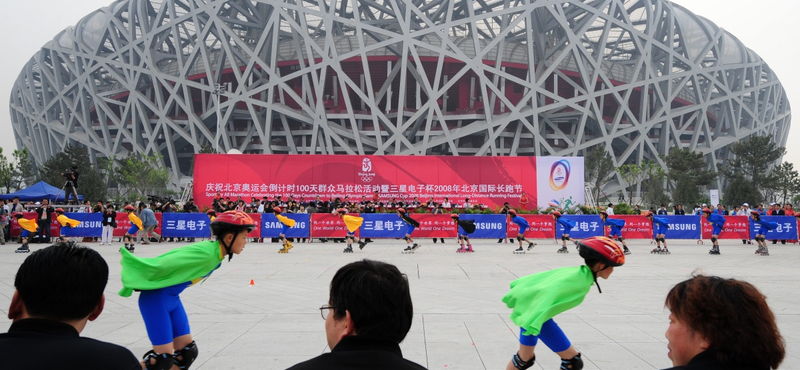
x=512, y=212
x=277, y=209
x=130, y=208
x=649, y=214
x=557, y=213
x=60, y=210
x=755, y=213
x=341, y=210
x=706, y=210
x=235, y=220
x=401, y=210
x=454, y=216
x=603, y=249
x=211, y=212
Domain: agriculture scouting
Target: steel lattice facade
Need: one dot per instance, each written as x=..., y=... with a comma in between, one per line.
x=422, y=77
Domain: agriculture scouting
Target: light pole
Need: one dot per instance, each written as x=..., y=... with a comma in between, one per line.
x=218, y=90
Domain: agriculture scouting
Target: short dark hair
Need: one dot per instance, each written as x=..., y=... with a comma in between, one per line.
x=721, y=310
x=378, y=297
x=64, y=281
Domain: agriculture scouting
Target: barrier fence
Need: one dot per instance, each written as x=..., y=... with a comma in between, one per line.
x=389, y=225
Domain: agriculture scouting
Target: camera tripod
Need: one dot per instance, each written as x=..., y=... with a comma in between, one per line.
x=66, y=196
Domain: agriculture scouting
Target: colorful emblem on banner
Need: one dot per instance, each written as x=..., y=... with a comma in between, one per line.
x=559, y=175
x=366, y=173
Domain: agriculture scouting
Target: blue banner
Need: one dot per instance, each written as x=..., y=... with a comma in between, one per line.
x=682, y=227
x=91, y=225
x=486, y=226
x=271, y=227
x=585, y=226
x=786, y=230
x=383, y=225
x=185, y=225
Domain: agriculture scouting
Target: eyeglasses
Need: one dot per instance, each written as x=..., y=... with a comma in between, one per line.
x=323, y=311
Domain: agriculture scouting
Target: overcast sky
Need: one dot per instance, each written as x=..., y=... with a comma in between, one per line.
x=765, y=26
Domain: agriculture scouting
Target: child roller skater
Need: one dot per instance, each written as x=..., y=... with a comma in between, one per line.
x=464, y=228
x=162, y=279
x=412, y=224
x=131, y=233
x=65, y=222
x=660, y=227
x=28, y=227
x=761, y=234
x=523, y=226
x=567, y=225
x=717, y=222
x=352, y=223
x=615, y=226
x=287, y=224
x=536, y=299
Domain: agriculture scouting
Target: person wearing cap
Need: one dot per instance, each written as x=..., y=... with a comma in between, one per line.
x=523, y=226
x=411, y=225
x=615, y=226
x=162, y=279
x=536, y=299
x=352, y=224
x=287, y=224
x=65, y=222
x=28, y=227
x=137, y=225
x=761, y=233
x=660, y=226
x=718, y=224
x=463, y=229
x=566, y=225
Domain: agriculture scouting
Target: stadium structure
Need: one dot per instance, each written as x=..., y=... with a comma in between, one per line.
x=425, y=77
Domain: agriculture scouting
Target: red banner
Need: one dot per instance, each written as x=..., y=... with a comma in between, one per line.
x=124, y=224
x=736, y=227
x=15, y=230
x=326, y=225
x=636, y=227
x=541, y=227
x=435, y=226
x=484, y=180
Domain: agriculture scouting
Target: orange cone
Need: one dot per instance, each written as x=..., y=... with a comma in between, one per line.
x=252, y=282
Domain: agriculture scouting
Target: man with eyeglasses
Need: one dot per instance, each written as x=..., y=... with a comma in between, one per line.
x=369, y=312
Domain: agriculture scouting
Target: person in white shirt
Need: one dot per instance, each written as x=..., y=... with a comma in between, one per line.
x=745, y=211
x=610, y=209
x=446, y=203
x=467, y=205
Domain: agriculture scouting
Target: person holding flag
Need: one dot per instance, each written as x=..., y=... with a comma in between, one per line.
x=464, y=228
x=65, y=222
x=287, y=224
x=352, y=223
x=28, y=227
x=660, y=226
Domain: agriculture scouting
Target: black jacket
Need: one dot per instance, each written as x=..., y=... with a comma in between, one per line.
x=707, y=360
x=113, y=218
x=50, y=210
x=356, y=353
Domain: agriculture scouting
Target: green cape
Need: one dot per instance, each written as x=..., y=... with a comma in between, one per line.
x=174, y=267
x=537, y=298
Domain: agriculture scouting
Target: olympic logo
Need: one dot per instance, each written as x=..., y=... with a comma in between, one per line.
x=559, y=175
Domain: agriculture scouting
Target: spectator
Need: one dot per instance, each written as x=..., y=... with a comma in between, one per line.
x=679, y=210
x=44, y=217
x=58, y=290
x=368, y=314
x=610, y=209
x=718, y=323
x=663, y=210
x=149, y=222
x=109, y=224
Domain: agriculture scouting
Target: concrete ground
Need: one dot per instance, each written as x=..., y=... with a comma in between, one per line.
x=459, y=320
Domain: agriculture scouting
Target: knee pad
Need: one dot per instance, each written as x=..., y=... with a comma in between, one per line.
x=163, y=361
x=406, y=238
x=187, y=355
x=520, y=364
x=520, y=237
x=574, y=363
x=713, y=239
x=620, y=239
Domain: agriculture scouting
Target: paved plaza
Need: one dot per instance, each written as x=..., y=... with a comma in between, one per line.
x=459, y=320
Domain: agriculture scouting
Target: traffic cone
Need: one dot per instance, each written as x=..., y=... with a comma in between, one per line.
x=252, y=282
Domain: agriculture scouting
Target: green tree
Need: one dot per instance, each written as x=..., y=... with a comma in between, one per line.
x=687, y=173
x=90, y=181
x=137, y=175
x=751, y=159
x=25, y=172
x=786, y=181
x=741, y=190
x=598, y=169
x=6, y=173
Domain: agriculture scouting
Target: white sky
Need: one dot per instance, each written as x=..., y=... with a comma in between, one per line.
x=765, y=26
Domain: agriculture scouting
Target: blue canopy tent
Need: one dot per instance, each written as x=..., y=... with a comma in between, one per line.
x=37, y=192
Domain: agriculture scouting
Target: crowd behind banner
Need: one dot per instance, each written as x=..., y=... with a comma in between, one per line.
x=389, y=225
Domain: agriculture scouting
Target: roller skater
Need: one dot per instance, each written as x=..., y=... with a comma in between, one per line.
x=131, y=233
x=765, y=227
x=28, y=227
x=352, y=223
x=660, y=226
x=65, y=222
x=162, y=279
x=567, y=225
x=412, y=224
x=523, y=226
x=287, y=224
x=536, y=299
x=615, y=229
x=718, y=224
x=464, y=228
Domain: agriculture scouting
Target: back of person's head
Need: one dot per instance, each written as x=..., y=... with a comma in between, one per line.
x=62, y=282
x=733, y=316
x=378, y=297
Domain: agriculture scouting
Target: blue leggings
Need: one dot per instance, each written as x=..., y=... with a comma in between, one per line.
x=163, y=314
x=551, y=335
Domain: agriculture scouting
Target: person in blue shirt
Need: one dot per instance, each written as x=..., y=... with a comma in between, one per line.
x=464, y=228
x=523, y=226
x=567, y=225
x=615, y=229
x=761, y=233
x=660, y=226
x=718, y=223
